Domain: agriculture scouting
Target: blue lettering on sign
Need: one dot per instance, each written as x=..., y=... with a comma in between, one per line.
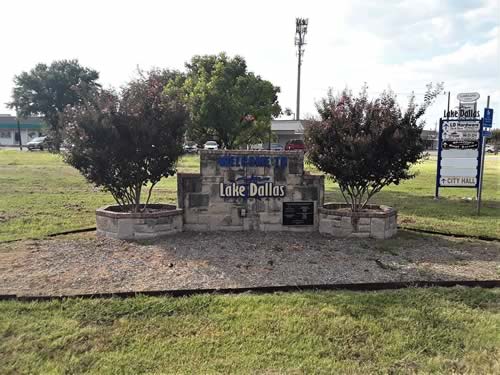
x=253, y=161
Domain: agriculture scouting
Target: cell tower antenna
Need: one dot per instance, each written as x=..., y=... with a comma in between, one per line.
x=300, y=41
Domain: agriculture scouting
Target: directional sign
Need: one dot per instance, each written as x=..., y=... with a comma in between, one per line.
x=452, y=135
x=458, y=153
x=461, y=125
x=486, y=134
x=458, y=181
x=488, y=118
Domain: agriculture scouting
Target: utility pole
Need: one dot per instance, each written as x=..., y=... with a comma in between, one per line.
x=300, y=36
x=19, y=130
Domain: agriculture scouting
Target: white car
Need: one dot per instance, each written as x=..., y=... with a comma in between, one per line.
x=257, y=147
x=210, y=145
x=38, y=143
x=489, y=148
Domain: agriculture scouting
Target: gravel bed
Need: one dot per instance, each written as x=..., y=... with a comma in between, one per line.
x=86, y=264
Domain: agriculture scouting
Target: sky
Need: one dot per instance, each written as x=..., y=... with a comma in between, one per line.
x=395, y=44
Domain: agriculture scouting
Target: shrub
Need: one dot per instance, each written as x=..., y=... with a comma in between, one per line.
x=125, y=141
x=365, y=145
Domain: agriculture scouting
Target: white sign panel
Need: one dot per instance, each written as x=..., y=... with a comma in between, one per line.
x=445, y=154
x=465, y=172
x=468, y=97
x=470, y=125
x=459, y=162
x=458, y=181
x=460, y=135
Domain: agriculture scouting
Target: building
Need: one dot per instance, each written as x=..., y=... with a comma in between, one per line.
x=286, y=130
x=31, y=127
x=431, y=139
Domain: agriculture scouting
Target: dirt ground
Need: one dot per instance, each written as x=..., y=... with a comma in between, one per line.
x=85, y=264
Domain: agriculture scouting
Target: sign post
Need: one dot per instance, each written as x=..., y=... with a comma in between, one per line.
x=490, y=122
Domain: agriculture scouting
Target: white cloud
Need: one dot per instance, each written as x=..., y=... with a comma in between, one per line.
x=402, y=44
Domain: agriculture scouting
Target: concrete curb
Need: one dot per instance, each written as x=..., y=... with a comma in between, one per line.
x=482, y=238
x=264, y=289
x=426, y=231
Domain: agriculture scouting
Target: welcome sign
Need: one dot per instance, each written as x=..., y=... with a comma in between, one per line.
x=252, y=161
x=251, y=187
x=250, y=190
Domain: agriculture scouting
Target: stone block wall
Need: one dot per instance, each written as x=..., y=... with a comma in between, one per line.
x=138, y=226
x=379, y=222
x=206, y=210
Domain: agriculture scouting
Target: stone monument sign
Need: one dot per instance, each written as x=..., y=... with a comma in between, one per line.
x=250, y=190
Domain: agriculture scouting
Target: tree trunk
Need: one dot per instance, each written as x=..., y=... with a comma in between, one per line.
x=137, y=198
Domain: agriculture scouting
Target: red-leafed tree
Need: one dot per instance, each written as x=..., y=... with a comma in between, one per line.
x=128, y=140
x=364, y=144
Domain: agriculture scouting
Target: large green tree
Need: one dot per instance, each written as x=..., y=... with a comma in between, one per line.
x=227, y=102
x=47, y=89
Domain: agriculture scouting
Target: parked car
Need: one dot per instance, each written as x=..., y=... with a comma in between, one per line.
x=276, y=147
x=38, y=143
x=295, y=144
x=489, y=148
x=190, y=147
x=211, y=145
x=257, y=147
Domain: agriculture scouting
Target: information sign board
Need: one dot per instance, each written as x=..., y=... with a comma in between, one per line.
x=459, y=153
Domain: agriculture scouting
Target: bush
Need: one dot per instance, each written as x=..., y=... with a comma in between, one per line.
x=365, y=145
x=125, y=141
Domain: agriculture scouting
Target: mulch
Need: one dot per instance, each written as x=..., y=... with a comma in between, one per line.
x=83, y=264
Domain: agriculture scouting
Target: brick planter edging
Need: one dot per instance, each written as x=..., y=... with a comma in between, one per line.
x=377, y=222
x=139, y=225
x=169, y=209
x=336, y=209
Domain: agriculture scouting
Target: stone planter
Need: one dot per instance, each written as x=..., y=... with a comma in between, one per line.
x=161, y=220
x=375, y=221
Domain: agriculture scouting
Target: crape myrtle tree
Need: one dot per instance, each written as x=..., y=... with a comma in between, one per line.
x=47, y=89
x=364, y=144
x=228, y=103
x=126, y=141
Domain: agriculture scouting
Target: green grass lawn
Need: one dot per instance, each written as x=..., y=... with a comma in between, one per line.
x=390, y=332
x=34, y=186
